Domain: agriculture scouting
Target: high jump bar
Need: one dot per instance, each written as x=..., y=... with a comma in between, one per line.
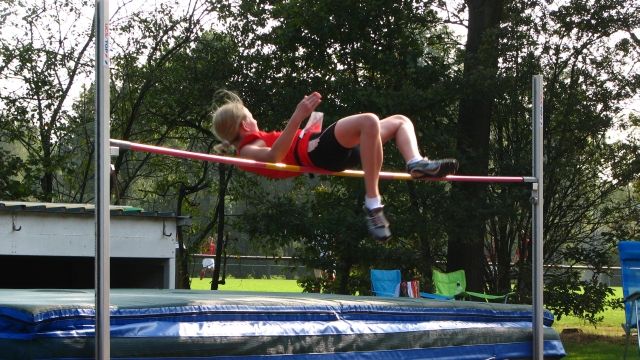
x=128, y=145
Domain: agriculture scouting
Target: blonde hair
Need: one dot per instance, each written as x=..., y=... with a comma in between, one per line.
x=226, y=120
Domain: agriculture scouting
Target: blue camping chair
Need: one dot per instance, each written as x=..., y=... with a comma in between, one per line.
x=630, y=266
x=386, y=282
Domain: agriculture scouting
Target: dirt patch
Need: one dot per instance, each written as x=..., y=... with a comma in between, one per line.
x=580, y=337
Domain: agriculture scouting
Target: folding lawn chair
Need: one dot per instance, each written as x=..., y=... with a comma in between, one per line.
x=630, y=266
x=386, y=282
x=432, y=296
x=441, y=293
x=454, y=285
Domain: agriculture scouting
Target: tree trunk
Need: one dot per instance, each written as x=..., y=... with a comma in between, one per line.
x=46, y=181
x=467, y=228
x=183, y=280
x=222, y=192
x=424, y=248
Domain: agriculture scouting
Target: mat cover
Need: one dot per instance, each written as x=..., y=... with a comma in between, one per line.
x=188, y=324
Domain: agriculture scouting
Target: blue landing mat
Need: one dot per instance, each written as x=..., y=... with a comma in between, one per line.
x=184, y=324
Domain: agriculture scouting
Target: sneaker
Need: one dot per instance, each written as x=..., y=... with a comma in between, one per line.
x=377, y=224
x=432, y=168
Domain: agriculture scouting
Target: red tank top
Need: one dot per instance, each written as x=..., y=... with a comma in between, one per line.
x=299, y=145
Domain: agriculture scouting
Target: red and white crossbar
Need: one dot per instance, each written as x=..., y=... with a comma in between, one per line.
x=128, y=145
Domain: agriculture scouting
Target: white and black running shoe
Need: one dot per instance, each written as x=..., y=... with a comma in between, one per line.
x=377, y=224
x=432, y=168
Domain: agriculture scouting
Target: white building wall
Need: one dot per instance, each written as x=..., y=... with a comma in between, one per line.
x=65, y=234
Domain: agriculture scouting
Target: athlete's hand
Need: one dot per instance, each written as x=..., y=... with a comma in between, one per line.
x=307, y=105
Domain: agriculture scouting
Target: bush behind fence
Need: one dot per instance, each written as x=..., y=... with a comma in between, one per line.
x=256, y=267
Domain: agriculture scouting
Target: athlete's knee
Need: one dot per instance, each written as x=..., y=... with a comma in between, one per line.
x=369, y=122
x=401, y=119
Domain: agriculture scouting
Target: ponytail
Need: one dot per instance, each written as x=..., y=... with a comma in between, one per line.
x=226, y=120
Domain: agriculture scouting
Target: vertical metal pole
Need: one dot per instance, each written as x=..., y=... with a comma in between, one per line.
x=537, y=223
x=102, y=150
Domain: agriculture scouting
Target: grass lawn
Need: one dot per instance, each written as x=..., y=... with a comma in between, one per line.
x=590, y=347
x=605, y=341
x=263, y=285
x=581, y=341
x=610, y=326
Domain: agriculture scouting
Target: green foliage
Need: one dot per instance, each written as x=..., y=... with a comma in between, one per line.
x=383, y=57
x=584, y=96
x=42, y=55
x=613, y=317
x=583, y=299
x=585, y=215
x=314, y=46
x=10, y=185
x=164, y=77
x=165, y=102
x=628, y=210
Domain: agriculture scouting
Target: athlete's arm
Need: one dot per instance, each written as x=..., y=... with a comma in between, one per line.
x=258, y=150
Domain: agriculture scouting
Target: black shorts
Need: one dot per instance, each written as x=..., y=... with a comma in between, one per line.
x=329, y=154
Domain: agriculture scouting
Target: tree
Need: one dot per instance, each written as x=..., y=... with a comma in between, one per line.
x=10, y=185
x=385, y=57
x=389, y=57
x=164, y=81
x=478, y=93
x=583, y=94
x=157, y=95
x=42, y=60
x=583, y=171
